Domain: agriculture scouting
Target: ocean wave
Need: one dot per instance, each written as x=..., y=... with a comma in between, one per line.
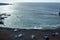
x=35, y=27
x=41, y=27
x=47, y=27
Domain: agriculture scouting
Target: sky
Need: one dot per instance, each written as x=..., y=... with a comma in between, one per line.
x=29, y=1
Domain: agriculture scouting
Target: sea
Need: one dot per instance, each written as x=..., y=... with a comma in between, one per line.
x=30, y=15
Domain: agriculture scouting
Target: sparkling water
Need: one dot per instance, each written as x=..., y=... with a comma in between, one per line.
x=32, y=15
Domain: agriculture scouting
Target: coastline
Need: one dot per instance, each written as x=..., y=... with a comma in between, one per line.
x=5, y=4
x=9, y=33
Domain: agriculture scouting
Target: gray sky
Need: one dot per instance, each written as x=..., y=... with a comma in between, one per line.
x=29, y=0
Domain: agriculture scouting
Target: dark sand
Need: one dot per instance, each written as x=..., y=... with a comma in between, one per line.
x=9, y=34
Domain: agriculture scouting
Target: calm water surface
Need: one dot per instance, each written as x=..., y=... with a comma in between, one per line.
x=32, y=15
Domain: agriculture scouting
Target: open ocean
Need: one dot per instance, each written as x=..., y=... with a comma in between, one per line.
x=32, y=15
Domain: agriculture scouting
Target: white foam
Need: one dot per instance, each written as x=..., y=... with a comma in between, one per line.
x=47, y=27
x=36, y=27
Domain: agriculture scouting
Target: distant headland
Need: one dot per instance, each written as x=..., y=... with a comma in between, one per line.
x=5, y=4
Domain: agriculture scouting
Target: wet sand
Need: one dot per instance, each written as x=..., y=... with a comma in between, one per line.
x=9, y=34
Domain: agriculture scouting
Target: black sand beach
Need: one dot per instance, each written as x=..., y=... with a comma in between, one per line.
x=9, y=34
